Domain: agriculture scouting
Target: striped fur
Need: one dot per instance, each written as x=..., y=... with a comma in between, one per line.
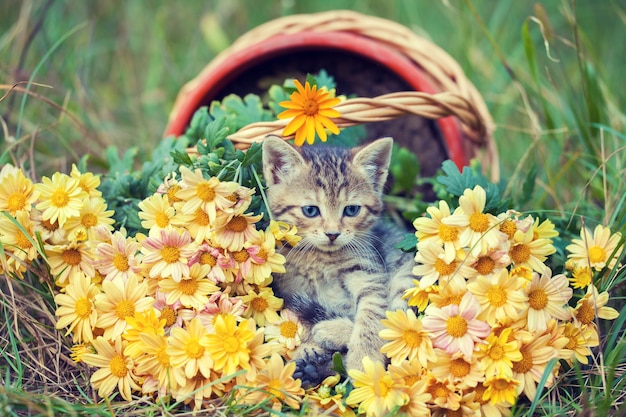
x=345, y=273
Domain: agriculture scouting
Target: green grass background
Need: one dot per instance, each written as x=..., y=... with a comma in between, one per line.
x=550, y=71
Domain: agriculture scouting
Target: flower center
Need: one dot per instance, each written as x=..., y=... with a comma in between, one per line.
x=454, y=413
x=60, y=198
x=241, y=256
x=485, y=265
x=479, y=392
x=443, y=268
x=501, y=384
x=169, y=314
x=171, y=194
x=585, y=313
x=448, y=233
x=497, y=296
x=71, y=257
x=188, y=286
x=120, y=262
x=538, y=299
x=508, y=227
x=496, y=352
x=161, y=219
x=459, y=368
x=520, y=253
x=310, y=107
x=479, y=222
x=170, y=254
x=525, y=364
x=259, y=304
x=22, y=241
x=231, y=344
x=205, y=192
x=82, y=308
x=124, y=308
x=451, y=299
x=384, y=385
x=51, y=227
x=582, y=277
x=288, y=329
x=411, y=379
x=207, y=259
x=456, y=326
x=193, y=349
x=16, y=201
x=237, y=224
x=162, y=357
x=411, y=338
x=201, y=219
x=275, y=387
x=89, y=220
x=438, y=390
x=118, y=366
x=597, y=254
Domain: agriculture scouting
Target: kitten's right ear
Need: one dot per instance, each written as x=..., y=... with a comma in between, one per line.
x=279, y=159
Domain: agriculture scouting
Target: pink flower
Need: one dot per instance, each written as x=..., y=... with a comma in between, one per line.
x=167, y=254
x=456, y=328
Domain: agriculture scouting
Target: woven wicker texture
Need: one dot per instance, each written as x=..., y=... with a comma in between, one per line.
x=457, y=97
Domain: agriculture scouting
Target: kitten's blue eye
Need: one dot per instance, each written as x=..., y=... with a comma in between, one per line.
x=311, y=211
x=351, y=211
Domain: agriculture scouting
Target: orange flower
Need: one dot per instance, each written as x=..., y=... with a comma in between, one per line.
x=310, y=109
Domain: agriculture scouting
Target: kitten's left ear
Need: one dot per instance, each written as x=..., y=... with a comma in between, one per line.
x=375, y=158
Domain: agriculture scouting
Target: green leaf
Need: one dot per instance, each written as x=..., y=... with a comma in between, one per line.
x=324, y=79
x=240, y=112
x=408, y=244
x=404, y=168
x=276, y=95
x=253, y=156
x=181, y=158
x=198, y=122
x=310, y=78
x=338, y=365
x=119, y=165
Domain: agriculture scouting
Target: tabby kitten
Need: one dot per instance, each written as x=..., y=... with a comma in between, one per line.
x=345, y=272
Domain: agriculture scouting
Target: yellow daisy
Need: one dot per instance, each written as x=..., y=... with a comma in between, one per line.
x=444, y=394
x=448, y=293
x=277, y=384
x=487, y=408
x=16, y=192
x=407, y=373
x=262, y=305
x=229, y=344
x=287, y=330
x=189, y=351
x=419, y=297
x=528, y=371
x=581, y=277
x=527, y=250
x=87, y=181
x=459, y=370
x=419, y=397
x=264, y=259
x=212, y=195
x=595, y=250
x=591, y=305
x=156, y=212
x=259, y=352
x=433, y=228
x=284, y=232
x=501, y=390
x=479, y=231
x=51, y=233
x=116, y=369
x=143, y=322
x=497, y=354
x=198, y=224
x=60, y=198
x=407, y=338
x=93, y=213
x=375, y=392
x=75, y=308
x=19, y=247
x=547, y=298
x=156, y=362
x=192, y=292
x=310, y=109
x=119, y=300
x=432, y=266
x=580, y=340
x=75, y=258
x=500, y=296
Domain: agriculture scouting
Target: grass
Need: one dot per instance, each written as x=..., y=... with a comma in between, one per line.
x=78, y=77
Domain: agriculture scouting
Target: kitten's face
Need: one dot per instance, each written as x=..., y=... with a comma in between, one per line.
x=333, y=196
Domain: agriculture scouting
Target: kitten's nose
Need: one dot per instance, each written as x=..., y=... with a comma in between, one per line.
x=332, y=236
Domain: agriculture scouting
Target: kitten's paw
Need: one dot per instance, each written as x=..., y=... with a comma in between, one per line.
x=313, y=366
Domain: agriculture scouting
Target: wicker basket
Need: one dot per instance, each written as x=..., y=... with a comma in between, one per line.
x=441, y=91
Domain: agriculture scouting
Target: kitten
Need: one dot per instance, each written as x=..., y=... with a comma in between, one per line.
x=345, y=272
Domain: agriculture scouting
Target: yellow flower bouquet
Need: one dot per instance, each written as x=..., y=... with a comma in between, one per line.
x=162, y=281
